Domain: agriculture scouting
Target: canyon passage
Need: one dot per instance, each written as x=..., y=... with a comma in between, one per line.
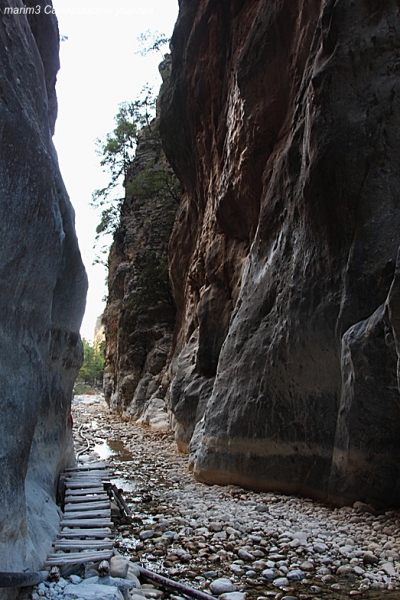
x=275, y=356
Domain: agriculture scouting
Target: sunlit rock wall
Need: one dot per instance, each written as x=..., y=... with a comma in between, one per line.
x=42, y=293
x=282, y=123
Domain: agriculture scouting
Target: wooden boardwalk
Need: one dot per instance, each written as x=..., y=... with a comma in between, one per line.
x=86, y=529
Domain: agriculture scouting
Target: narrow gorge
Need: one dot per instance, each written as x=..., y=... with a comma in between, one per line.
x=254, y=292
x=280, y=121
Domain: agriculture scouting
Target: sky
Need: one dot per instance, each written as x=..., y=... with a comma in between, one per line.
x=100, y=68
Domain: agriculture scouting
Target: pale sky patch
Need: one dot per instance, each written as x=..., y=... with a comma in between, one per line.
x=99, y=70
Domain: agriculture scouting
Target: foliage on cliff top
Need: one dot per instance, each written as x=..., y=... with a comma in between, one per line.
x=134, y=122
x=118, y=149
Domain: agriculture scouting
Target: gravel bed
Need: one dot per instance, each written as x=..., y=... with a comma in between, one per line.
x=231, y=542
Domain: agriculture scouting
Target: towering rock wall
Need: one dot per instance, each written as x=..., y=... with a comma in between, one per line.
x=42, y=294
x=140, y=312
x=282, y=123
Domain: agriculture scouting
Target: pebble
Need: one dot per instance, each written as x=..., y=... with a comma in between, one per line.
x=270, y=573
x=83, y=591
x=281, y=582
x=252, y=540
x=237, y=569
x=222, y=586
x=296, y=575
x=244, y=555
x=146, y=534
x=233, y=596
x=118, y=566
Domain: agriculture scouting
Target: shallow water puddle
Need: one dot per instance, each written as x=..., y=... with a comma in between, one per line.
x=114, y=449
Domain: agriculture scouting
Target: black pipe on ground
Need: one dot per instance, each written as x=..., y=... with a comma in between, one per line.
x=16, y=580
x=174, y=585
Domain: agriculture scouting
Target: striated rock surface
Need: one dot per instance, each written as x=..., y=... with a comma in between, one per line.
x=140, y=313
x=281, y=121
x=42, y=295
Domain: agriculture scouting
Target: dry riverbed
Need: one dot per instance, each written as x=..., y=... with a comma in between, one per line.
x=267, y=545
x=227, y=539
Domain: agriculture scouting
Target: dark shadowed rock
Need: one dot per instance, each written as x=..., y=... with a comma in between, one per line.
x=281, y=121
x=42, y=295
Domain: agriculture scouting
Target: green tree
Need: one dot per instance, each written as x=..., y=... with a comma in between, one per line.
x=93, y=363
x=152, y=41
x=155, y=183
x=117, y=152
x=153, y=283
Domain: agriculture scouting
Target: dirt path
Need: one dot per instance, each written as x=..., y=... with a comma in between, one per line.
x=267, y=545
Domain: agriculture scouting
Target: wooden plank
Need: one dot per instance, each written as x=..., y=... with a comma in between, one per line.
x=77, y=558
x=84, y=499
x=122, y=505
x=98, y=478
x=88, y=474
x=84, y=485
x=88, y=467
x=86, y=514
x=93, y=473
x=69, y=480
x=86, y=523
x=86, y=533
x=83, y=544
x=94, y=505
x=92, y=491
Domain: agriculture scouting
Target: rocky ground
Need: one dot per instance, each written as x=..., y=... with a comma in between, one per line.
x=227, y=539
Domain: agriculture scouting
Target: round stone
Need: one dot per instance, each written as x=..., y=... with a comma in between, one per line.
x=237, y=569
x=369, y=558
x=170, y=535
x=118, y=566
x=269, y=574
x=295, y=575
x=233, y=596
x=344, y=570
x=281, y=582
x=222, y=586
x=320, y=548
x=146, y=534
x=244, y=555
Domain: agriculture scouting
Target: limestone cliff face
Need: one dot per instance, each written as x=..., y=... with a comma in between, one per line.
x=42, y=293
x=140, y=312
x=282, y=122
